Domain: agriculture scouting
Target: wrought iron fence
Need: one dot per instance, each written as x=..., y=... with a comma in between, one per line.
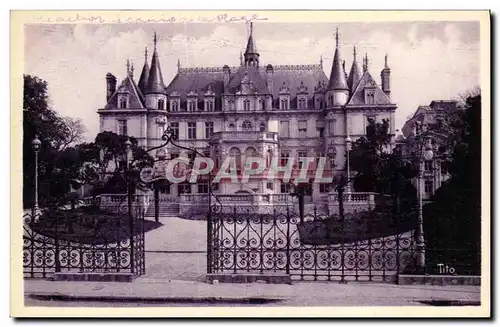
x=366, y=246
x=88, y=239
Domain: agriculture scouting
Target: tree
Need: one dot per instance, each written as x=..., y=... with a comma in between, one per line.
x=39, y=119
x=452, y=221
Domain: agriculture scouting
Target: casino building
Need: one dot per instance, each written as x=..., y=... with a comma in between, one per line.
x=251, y=109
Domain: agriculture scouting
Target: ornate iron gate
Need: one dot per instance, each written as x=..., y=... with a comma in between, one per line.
x=361, y=247
x=82, y=241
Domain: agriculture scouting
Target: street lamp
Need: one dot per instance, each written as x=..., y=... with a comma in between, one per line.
x=348, y=147
x=128, y=153
x=36, y=144
x=427, y=154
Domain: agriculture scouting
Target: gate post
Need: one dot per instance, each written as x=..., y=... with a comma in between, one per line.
x=209, y=228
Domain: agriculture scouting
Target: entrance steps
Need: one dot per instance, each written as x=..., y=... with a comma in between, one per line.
x=166, y=210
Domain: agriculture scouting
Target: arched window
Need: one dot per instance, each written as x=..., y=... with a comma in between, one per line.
x=262, y=127
x=247, y=126
x=262, y=104
x=246, y=105
x=284, y=104
x=302, y=103
x=175, y=105
x=236, y=154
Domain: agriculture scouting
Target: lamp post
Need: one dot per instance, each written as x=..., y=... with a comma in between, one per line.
x=348, y=147
x=427, y=154
x=36, y=144
x=128, y=147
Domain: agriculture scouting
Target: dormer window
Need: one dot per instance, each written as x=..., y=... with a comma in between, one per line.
x=369, y=96
x=191, y=105
x=174, y=105
x=262, y=104
x=317, y=101
x=161, y=104
x=123, y=101
x=284, y=103
x=301, y=103
x=246, y=105
x=209, y=104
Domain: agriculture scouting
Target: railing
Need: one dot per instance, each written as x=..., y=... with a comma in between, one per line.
x=114, y=199
x=355, y=197
x=246, y=135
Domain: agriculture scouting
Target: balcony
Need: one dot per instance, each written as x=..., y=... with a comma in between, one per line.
x=238, y=136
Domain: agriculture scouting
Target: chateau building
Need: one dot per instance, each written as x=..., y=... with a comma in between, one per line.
x=254, y=108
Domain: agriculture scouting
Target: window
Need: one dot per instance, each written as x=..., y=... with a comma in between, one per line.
x=123, y=103
x=324, y=188
x=284, y=158
x=192, y=131
x=232, y=105
x=161, y=104
x=283, y=129
x=175, y=130
x=203, y=187
x=192, y=105
x=270, y=186
x=262, y=127
x=209, y=129
x=246, y=105
x=428, y=165
x=174, y=155
x=331, y=127
x=184, y=188
x=209, y=104
x=247, y=126
x=320, y=131
x=302, y=103
x=317, y=103
x=159, y=131
x=302, y=155
x=330, y=100
x=262, y=104
x=302, y=128
x=369, y=97
x=122, y=127
x=175, y=105
x=284, y=104
x=428, y=186
x=285, y=187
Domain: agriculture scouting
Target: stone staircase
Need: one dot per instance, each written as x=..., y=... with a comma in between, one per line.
x=166, y=210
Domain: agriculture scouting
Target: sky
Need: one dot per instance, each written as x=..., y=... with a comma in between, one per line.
x=428, y=60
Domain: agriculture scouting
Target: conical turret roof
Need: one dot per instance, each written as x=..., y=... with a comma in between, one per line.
x=155, y=79
x=337, y=76
x=354, y=74
x=251, y=49
x=144, y=78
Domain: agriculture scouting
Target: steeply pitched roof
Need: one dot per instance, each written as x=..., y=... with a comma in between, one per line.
x=358, y=95
x=136, y=98
x=354, y=74
x=251, y=44
x=337, y=75
x=290, y=76
x=144, y=78
x=155, y=80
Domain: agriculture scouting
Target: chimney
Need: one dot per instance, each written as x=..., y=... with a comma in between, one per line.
x=269, y=77
x=226, y=73
x=110, y=86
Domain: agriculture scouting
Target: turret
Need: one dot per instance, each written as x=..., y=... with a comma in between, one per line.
x=251, y=54
x=337, y=91
x=155, y=91
x=143, y=79
x=385, y=76
x=226, y=74
x=269, y=78
x=354, y=74
x=110, y=86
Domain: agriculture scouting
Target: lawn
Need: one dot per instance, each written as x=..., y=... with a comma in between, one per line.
x=90, y=225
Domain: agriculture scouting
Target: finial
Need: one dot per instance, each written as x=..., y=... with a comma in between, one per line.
x=354, y=52
x=321, y=60
x=251, y=28
x=337, y=36
x=386, y=57
x=146, y=53
x=154, y=40
x=366, y=60
x=128, y=67
x=132, y=69
x=178, y=64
